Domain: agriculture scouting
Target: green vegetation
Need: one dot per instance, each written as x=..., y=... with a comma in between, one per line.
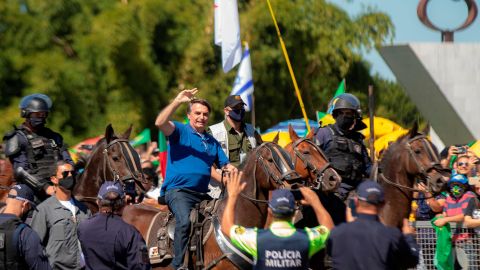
x=119, y=62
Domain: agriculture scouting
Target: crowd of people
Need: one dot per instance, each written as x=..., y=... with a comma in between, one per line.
x=44, y=226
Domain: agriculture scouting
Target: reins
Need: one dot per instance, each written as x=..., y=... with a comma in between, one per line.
x=289, y=174
x=422, y=170
x=319, y=172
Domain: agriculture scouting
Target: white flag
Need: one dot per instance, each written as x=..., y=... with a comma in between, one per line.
x=243, y=84
x=227, y=32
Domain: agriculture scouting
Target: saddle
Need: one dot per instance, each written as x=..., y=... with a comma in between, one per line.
x=161, y=230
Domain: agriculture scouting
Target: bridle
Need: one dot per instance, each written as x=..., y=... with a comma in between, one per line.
x=423, y=171
x=282, y=162
x=131, y=159
x=318, y=172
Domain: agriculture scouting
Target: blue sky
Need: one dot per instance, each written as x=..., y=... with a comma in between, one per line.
x=408, y=28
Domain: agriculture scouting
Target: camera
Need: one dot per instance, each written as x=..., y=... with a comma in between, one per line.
x=461, y=150
x=297, y=194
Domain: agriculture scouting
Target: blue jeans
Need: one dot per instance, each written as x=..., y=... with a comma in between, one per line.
x=181, y=203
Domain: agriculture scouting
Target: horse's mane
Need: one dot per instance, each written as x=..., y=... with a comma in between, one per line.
x=246, y=164
x=391, y=154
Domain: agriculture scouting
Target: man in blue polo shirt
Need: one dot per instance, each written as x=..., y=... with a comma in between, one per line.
x=191, y=154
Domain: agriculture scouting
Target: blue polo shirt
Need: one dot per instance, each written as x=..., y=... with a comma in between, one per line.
x=190, y=158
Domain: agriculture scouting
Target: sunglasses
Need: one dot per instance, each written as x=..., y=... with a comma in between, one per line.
x=463, y=164
x=67, y=173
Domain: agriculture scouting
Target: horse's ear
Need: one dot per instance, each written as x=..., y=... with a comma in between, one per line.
x=426, y=130
x=292, y=133
x=311, y=133
x=127, y=132
x=414, y=130
x=109, y=133
x=277, y=137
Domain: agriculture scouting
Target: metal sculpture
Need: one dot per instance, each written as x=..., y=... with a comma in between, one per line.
x=447, y=34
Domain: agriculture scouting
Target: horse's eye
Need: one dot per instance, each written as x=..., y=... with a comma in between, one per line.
x=115, y=158
x=418, y=151
x=270, y=159
x=306, y=152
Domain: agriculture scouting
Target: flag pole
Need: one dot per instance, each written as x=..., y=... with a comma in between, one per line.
x=287, y=59
x=253, y=111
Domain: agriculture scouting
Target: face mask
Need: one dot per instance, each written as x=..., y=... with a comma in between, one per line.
x=345, y=122
x=457, y=191
x=37, y=122
x=237, y=115
x=67, y=183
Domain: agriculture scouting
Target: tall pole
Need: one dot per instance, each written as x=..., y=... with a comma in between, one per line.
x=287, y=59
x=371, y=115
x=253, y=111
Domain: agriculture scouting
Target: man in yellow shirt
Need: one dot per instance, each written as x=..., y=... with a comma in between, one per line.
x=282, y=246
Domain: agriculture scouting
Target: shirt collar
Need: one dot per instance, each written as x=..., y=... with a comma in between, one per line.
x=194, y=131
x=281, y=224
x=229, y=128
x=368, y=217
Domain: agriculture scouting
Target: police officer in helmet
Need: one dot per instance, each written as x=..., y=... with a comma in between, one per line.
x=34, y=149
x=343, y=144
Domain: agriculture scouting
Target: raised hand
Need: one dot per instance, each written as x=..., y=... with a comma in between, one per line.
x=186, y=95
x=234, y=184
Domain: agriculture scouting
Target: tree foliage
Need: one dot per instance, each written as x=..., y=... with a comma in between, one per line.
x=120, y=62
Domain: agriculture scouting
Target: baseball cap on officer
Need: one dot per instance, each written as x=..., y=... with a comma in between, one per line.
x=370, y=192
x=23, y=193
x=110, y=186
x=233, y=101
x=282, y=202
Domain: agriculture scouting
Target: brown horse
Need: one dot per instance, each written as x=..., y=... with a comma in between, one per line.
x=412, y=158
x=114, y=159
x=266, y=168
x=311, y=163
x=6, y=179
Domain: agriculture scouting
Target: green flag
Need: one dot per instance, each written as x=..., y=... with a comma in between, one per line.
x=341, y=89
x=443, y=259
x=141, y=138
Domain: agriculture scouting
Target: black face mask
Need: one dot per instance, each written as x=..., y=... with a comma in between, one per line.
x=345, y=122
x=237, y=115
x=67, y=183
x=37, y=122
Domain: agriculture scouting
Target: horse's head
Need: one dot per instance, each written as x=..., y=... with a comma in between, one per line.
x=311, y=163
x=120, y=160
x=272, y=167
x=114, y=159
x=422, y=160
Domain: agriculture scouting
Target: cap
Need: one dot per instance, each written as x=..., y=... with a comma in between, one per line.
x=233, y=101
x=282, y=202
x=23, y=193
x=458, y=178
x=370, y=192
x=110, y=186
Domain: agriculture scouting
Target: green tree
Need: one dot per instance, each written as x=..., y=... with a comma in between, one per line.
x=110, y=62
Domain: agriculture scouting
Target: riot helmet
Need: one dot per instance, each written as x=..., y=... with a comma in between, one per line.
x=349, y=102
x=35, y=103
x=344, y=101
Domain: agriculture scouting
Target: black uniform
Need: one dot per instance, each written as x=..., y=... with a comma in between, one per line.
x=110, y=243
x=368, y=244
x=20, y=246
x=37, y=153
x=347, y=154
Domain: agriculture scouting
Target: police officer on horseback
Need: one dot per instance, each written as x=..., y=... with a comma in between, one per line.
x=34, y=149
x=343, y=144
